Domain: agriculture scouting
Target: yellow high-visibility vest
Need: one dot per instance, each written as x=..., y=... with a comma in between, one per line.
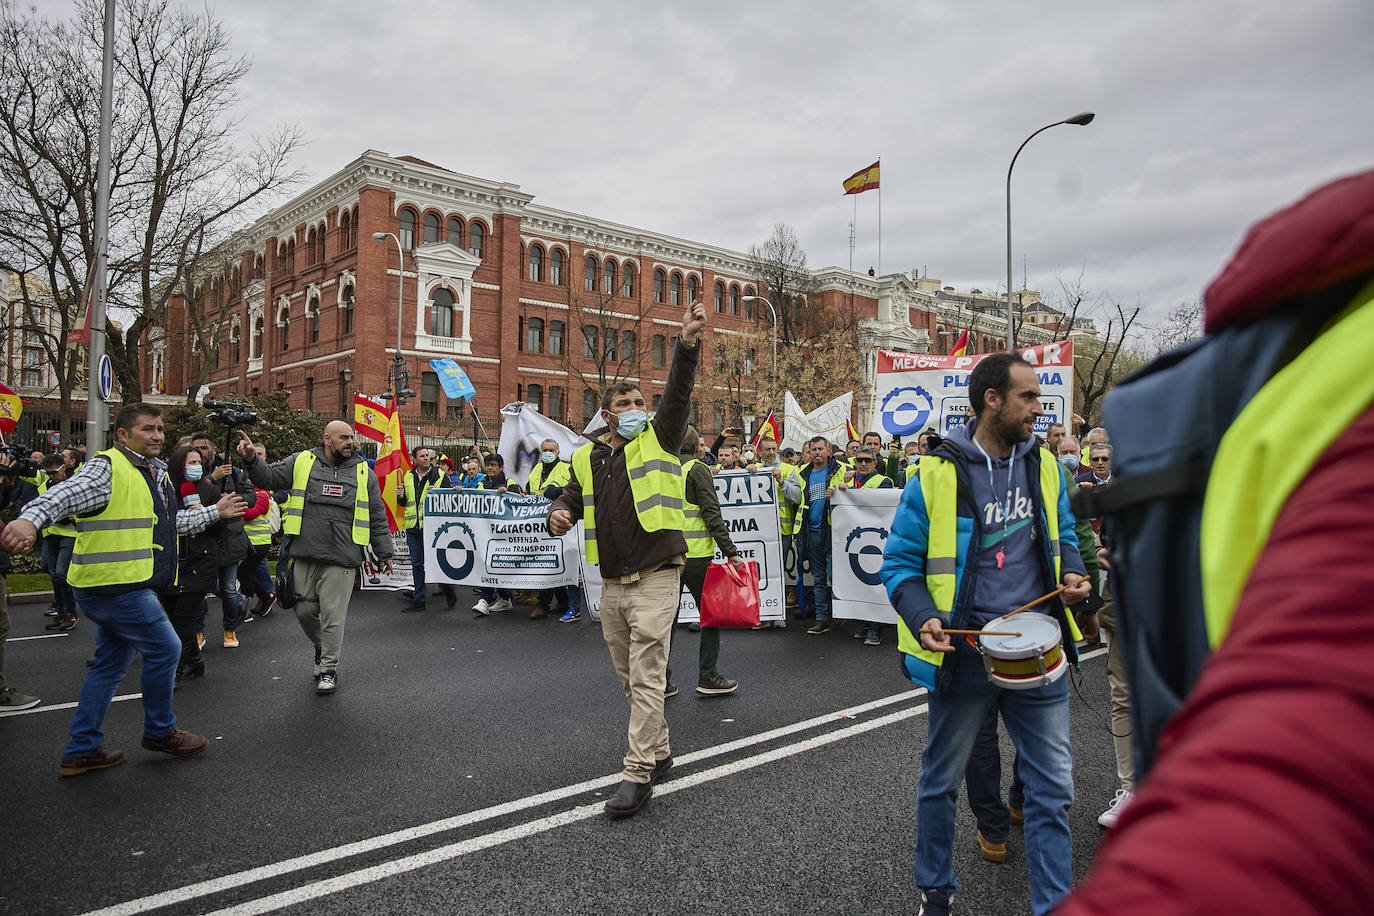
x=699, y=540
x=295, y=503
x=656, y=484
x=115, y=546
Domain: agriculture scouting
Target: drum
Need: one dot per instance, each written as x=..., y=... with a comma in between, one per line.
x=1033, y=659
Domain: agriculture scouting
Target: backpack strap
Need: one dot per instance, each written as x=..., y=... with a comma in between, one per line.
x=1171, y=482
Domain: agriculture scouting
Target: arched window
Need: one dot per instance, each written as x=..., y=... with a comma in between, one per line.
x=555, y=338
x=627, y=281
x=534, y=394
x=749, y=356
x=659, y=282
x=319, y=241
x=429, y=396
x=590, y=404
x=284, y=325
x=692, y=289
x=477, y=235
x=310, y=251
x=555, y=411
x=534, y=335
x=346, y=231
x=675, y=290
x=407, y=229
x=608, y=278
x=235, y=338
x=590, y=335
x=291, y=256
x=536, y=261
x=455, y=231
x=314, y=310
x=748, y=303
x=556, y=267
x=589, y=268
x=255, y=351
x=627, y=347
x=347, y=307
x=431, y=227
x=441, y=313
x=734, y=300
x=720, y=297
x=660, y=351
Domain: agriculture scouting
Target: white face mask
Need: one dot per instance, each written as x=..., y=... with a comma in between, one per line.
x=1069, y=460
x=630, y=423
x=548, y=457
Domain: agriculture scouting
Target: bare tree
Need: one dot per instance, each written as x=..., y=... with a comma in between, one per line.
x=1181, y=325
x=1105, y=360
x=779, y=264
x=735, y=374
x=608, y=324
x=179, y=174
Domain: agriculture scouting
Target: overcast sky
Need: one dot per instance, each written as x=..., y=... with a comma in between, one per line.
x=714, y=120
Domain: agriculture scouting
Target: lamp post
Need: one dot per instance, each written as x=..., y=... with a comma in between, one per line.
x=772, y=313
x=1081, y=120
x=400, y=378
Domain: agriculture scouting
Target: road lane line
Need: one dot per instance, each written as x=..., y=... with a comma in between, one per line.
x=54, y=706
x=41, y=636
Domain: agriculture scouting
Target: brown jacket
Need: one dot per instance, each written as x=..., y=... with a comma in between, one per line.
x=625, y=547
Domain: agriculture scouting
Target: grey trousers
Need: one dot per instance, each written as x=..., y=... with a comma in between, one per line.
x=4, y=625
x=323, y=591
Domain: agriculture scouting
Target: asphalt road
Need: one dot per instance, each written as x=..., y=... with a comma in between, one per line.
x=461, y=768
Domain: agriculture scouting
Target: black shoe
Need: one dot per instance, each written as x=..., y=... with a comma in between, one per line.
x=935, y=902
x=451, y=598
x=188, y=670
x=716, y=686
x=661, y=769
x=265, y=606
x=670, y=691
x=413, y=607
x=628, y=798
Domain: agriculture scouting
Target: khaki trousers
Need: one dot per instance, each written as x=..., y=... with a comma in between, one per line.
x=1121, y=696
x=323, y=591
x=636, y=620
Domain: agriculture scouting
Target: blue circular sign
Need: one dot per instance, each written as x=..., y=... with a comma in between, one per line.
x=106, y=376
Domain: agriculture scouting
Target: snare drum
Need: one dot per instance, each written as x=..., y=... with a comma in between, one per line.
x=1033, y=659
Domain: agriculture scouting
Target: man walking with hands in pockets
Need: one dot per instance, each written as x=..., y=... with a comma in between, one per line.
x=627, y=486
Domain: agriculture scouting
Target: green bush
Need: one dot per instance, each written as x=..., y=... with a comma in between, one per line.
x=280, y=428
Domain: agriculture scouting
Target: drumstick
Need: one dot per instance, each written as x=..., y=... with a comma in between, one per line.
x=1035, y=602
x=971, y=632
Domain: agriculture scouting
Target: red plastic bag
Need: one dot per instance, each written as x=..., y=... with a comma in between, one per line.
x=730, y=596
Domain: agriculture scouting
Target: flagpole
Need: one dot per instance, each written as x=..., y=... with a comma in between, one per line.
x=880, y=216
x=96, y=414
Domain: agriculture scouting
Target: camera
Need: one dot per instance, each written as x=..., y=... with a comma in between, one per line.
x=23, y=465
x=230, y=413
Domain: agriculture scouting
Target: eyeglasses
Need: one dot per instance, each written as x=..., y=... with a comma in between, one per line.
x=1095, y=460
x=863, y=460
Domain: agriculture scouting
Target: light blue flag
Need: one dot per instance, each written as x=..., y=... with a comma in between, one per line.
x=453, y=379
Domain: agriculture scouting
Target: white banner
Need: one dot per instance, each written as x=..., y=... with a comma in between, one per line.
x=830, y=420
x=400, y=576
x=495, y=540
x=915, y=390
x=748, y=504
x=522, y=429
x=859, y=523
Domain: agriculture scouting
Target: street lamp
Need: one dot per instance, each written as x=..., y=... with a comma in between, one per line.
x=1081, y=120
x=399, y=377
x=773, y=315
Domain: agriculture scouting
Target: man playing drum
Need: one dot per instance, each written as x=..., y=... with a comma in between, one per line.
x=987, y=530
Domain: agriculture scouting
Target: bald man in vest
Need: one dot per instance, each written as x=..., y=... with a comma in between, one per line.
x=334, y=511
x=628, y=488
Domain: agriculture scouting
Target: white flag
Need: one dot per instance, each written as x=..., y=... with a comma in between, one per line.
x=522, y=429
x=831, y=420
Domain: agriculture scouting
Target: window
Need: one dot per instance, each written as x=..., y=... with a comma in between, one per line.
x=627, y=281
x=32, y=378
x=555, y=411
x=748, y=303
x=534, y=394
x=589, y=342
x=536, y=261
x=284, y=322
x=256, y=349
x=455, y=232
x=675, y=290
x=720, y=297
x=659, y=281
x=477, y=234
x=691, y=289
x=314, y=321
x=608, y=279
x=720, y=358
x=534, y=335
x=346, y=231
x=348, y=310
x=693, y=415
x=431, y=227
x=749, y=361
x=660, y=351
x=734, y=300
x=310, y=393
x=453, y=407
x=310, y=250
x=407, y=229
x=627, y=346
x=429, y=396
x=291, y=256
x=556, y=267
x=441, y=313
x=590, y=405
x=234, y=338
x=319, y=252
x=589, y=274
x=555, y=338
x=658, y=400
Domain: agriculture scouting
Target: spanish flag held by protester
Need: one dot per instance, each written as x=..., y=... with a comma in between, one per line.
x=862, y=180
x=961, y=345
x=393, y=463
x=851, y=431
x=370, y=418
x=768, y=429
x=11, y=409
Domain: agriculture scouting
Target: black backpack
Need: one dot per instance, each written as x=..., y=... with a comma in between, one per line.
x=1166, y=422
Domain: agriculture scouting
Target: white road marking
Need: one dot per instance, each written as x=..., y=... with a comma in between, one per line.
x=56, y=706
x=40, y=636
x=315, y=890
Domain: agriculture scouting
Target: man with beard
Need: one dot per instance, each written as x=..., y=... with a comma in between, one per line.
x=327, y=521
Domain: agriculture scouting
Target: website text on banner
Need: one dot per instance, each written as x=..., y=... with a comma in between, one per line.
x=495, y=540
x=749, y=506
x=917, y=390
x=859, y=523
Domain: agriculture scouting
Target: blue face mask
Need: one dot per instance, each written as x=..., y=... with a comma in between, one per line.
x=1069, y=461
x=631, y=423
x=194, y=471
x=548, y=457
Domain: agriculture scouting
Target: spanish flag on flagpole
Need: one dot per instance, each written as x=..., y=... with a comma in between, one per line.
x=851, y=431
x=768, y=429
x=393, y=462
x=370, y=418
x=961, y=345
x=862, y=180
x=11, y=409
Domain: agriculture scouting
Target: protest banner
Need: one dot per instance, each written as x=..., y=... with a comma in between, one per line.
x=831, y=420
x=495, y=540
x=859, y=524
x=522, y=429
x=916, y=390
x=373, y=579
x=748, y=504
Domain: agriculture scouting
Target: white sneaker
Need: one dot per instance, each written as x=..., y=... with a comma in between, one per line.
x=482, y=607
x=502, y=604
x=1123, y=798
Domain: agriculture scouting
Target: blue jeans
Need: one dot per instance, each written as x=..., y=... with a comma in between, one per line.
x=1038, y=721
x=228, y=593
x=819, y=558
x=983, y=780
x=253, y=578
x=133, y=622
x=57, y=558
